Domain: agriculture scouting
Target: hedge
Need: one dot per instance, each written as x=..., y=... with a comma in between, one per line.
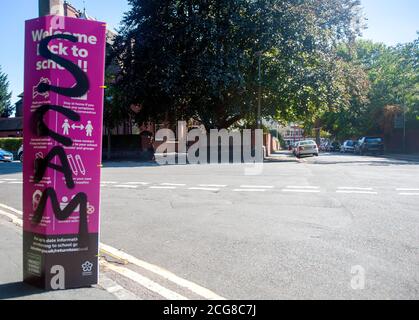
x=11, y=144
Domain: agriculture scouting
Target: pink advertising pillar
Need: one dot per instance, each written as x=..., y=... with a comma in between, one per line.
x=63, y=111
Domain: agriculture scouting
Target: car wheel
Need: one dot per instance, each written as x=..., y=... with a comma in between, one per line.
x=21, y=157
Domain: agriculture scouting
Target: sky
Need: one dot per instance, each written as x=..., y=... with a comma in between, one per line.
x=389, y=21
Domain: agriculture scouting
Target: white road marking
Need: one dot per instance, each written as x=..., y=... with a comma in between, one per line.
x=109, y=182
x=257, y=187
x=407, y=189
x=301, y=191
x=357, y=192
x=173, y=184
x=2, y=182
x=197, y=289
x=302, y=187
x=17, y=221
x=249, y=190
x=145, y=282
x=11, y=209
x=10, y=179
x=162, y=187
x=355, y=188
x=408, y=194
x=124, y=186
x=204, y=189
x=138, y=183
x=16, y=182
x=213, y=185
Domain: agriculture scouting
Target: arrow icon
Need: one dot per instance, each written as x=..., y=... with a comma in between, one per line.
x=81, y=127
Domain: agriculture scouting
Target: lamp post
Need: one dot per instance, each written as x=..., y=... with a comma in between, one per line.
x=259, y=112
x=404, y=128
x=51, y=7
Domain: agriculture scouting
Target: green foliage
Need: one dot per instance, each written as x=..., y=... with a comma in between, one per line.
x=199, y=59
x=11, y=144
x=5, y=96
x=392, y=80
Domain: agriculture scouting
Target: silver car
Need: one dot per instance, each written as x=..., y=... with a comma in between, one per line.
x=306, y=148
x=348, y=146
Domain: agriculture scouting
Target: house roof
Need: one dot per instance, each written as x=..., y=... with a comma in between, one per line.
x=11, y=124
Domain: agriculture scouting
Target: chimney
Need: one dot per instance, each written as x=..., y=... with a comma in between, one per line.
x=51, y=7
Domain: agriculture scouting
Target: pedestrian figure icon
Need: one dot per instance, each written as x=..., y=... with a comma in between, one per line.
x=89, y=129
x=66, y=128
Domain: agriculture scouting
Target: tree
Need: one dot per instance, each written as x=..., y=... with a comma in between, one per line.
x=390, y=77
x=6, y=108
x=199, y=59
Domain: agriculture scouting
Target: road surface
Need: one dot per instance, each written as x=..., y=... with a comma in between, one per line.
x=331, y=227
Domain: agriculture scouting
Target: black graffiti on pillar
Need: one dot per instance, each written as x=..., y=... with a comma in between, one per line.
x=41, y=166
x=40, y=129
x=82, y=85
x=79, y=201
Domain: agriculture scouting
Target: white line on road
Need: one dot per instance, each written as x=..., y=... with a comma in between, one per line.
x=408, y=194
x=162, y=187
x=9, y=179
x=197, y=289
x=204, y=189
x=356, y=192
x=109, y=182
x=257, y=187
x=355, y=188
x=14, y=219
x=173, y=184
x=124, y=186
x=213, y=185
x=138, y=183
x=301, y=191
x=407, y=189
x=16, y=182
x=145, y=282
x=302, y=187
x=249, y=190
x=11, y=209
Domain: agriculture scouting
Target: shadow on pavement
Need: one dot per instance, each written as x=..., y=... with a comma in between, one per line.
x=10, y=168
x=371, y=161
x=17, y=290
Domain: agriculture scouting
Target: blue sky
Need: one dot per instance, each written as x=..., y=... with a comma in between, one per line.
x=389, y=21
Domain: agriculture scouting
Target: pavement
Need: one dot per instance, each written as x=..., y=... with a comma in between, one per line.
x=298, y=229
x=11, y=286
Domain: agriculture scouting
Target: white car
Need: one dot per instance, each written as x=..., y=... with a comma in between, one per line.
x=348, y=146
x=306, y=148
x=20, y=154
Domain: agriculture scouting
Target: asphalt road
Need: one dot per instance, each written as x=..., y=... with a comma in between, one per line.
x=295, y=231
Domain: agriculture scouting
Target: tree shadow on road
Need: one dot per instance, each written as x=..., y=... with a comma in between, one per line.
x=17, y=290
x=10, y=168
x=375, y=163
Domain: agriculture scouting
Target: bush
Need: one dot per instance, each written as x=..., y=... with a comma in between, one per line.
x=11, y=144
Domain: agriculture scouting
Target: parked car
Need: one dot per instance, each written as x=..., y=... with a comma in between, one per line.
x=20, y=154
x=6, y=156
x=348, y=146
x=370, y=145
x=307, y=147
x=333, y=147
